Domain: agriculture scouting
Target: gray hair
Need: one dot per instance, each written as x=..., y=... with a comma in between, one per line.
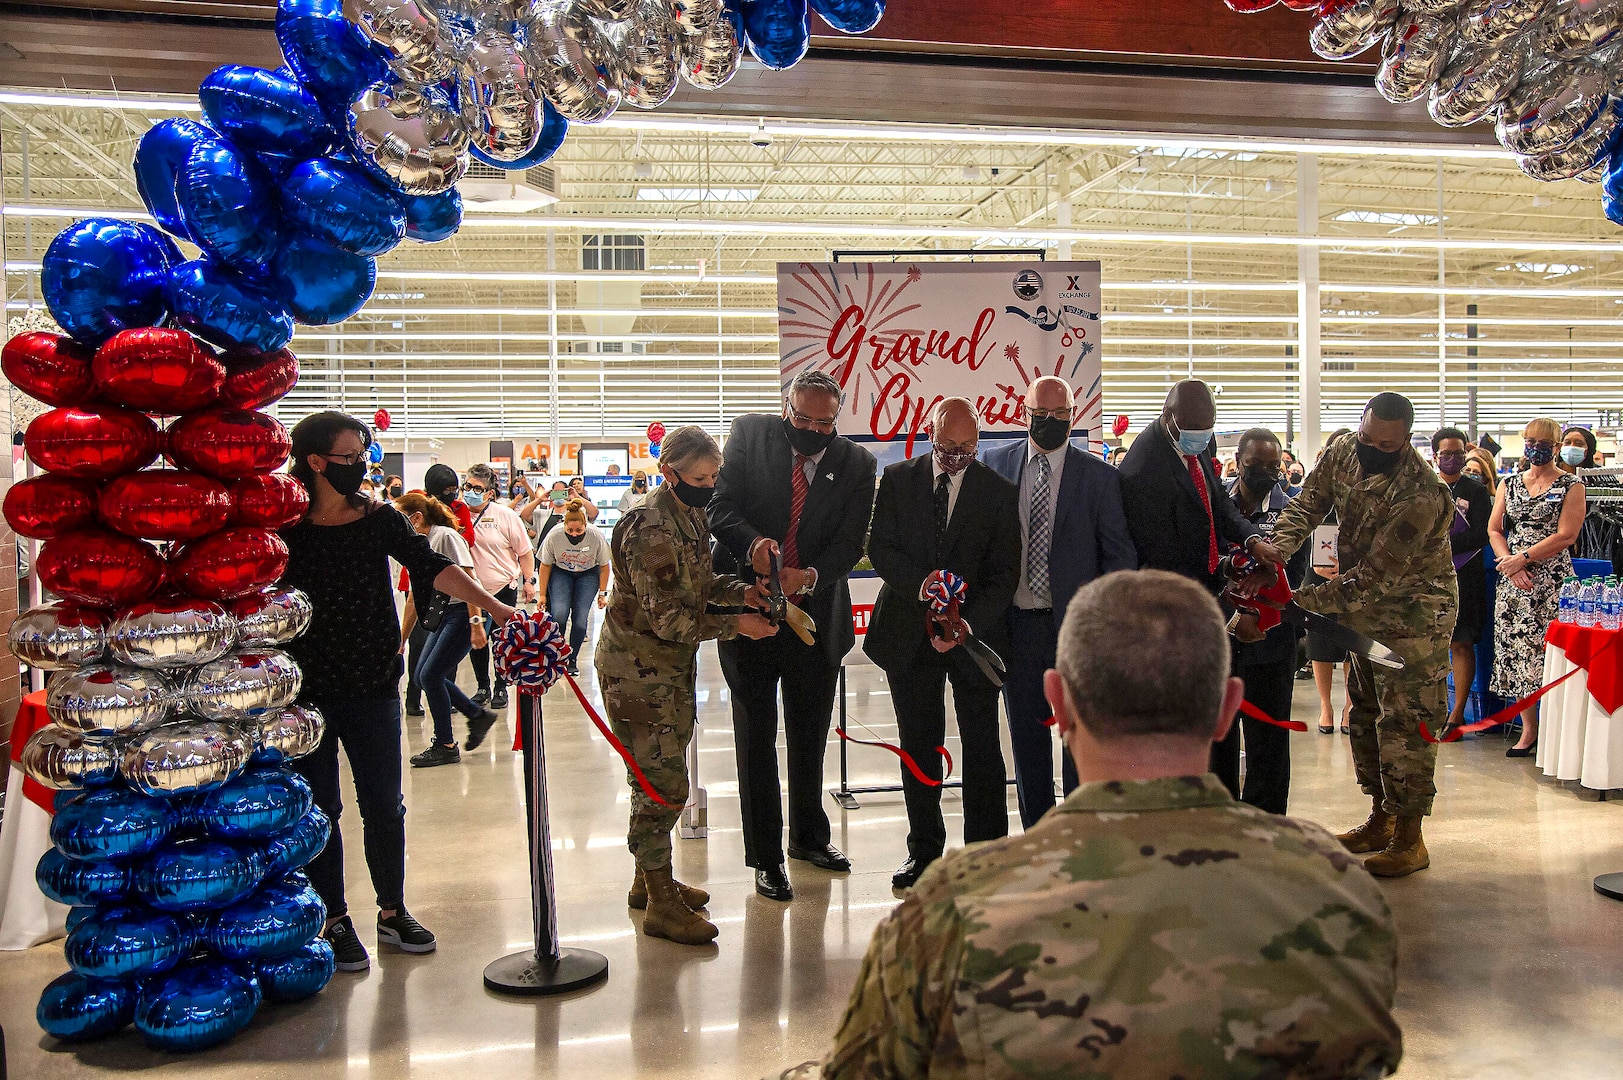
x=687, y=446
x=484, y=474
x=1114, y=629
x=811, y=380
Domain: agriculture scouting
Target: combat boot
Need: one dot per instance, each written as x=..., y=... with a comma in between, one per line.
x=1372, y=835
x=1405, y=854
x=638, y=896
x=668, y=917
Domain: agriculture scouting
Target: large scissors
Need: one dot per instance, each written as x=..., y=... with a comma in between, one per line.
x=1276, y=603
x=946, y=622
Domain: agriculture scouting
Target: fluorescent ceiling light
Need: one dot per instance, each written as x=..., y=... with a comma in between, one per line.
x=1547, y=269
x=1383, y=217
x=694, y=194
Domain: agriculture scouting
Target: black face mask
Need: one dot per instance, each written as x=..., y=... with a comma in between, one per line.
x=448, y=496
x=575, y=539
x=693, y=495
x=1050, y=432
x=639, y=485
x=396, y=491
x=809, y=443
x=345, y=479
x=1259, y=481
x=1375, y=461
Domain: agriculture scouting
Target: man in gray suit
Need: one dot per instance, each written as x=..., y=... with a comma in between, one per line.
x=1072, y=530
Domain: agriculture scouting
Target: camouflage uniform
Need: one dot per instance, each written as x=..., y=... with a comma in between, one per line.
x=1396, y=585
x=647, y=654
x=1148, y=929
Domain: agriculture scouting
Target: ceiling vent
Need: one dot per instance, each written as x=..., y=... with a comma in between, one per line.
x=491, y=190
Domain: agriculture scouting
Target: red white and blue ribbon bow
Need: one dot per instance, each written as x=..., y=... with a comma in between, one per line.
x=944, y=588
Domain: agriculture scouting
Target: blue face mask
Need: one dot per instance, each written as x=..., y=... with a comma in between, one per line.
x=474, y=499
x=1573, y=455
x=1194, y=442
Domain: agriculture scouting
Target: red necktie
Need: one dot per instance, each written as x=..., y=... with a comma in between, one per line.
x=1198, y=475
x=797, y=502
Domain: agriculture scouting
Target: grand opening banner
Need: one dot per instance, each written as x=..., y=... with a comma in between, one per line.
x=900, y=336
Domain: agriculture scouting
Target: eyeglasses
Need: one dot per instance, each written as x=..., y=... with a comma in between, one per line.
x=825, y=426
x=346, y=459
x=1048, y=414
x=474, y=488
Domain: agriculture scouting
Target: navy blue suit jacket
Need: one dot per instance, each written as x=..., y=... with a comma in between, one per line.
x=1090, y=527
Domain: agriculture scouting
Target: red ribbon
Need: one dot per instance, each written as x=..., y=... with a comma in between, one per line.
x=1510, y=711
x=907, y=759
x=619, y=747
x=1255, y=713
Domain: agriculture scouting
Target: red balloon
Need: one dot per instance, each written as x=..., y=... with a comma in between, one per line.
x=229, y=563
x=1301, y=5
x=253, y=380
x=268, y=500
x=163, y=504
x=100, y=568
x=157, y=369
x=1119, y=428
x=46, y=505
x=381, y=419
x=656, y=432
x=1248, y=7
x=95, y=443
x=227, y=443
x=52, y=368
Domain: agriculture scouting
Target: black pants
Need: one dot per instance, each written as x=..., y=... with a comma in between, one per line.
x=1268, y=686
x=414, y=649
x=481, y=656
x=369, y=729
x=1033, y=639
x=753, y=670
x=918, y=693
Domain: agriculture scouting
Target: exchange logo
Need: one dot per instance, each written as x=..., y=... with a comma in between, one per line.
x=1073, y=289
x=1028, y=284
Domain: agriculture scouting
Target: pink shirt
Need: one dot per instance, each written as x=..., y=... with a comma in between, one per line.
x=499, y=543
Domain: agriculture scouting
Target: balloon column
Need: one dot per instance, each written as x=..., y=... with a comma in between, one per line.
x=178, y=830
x=1541, y=71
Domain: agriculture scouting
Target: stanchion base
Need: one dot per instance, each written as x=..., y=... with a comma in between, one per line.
x=521, y=973
x=1610, y=885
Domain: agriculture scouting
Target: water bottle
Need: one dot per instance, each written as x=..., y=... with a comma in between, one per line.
x=1567, y=609
x=1588, y=601
x=1611, y=605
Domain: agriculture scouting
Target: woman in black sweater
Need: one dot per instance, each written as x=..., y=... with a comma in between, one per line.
x=339, y=556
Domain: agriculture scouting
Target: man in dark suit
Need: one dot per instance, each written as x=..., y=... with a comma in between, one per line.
x=1072, y=530
x=944, y=513
x=790, y=486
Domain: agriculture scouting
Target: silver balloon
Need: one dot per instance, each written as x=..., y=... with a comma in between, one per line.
x=274, y=617
x=1576, y=28
x=571, y=61
x=1349, y=29
x=711, y=58
x=58, y=636
x=1476, y=80
x=645, y=53
x=501, y=108
x=1433, y=7
x=1547, y=114
x=611, y=10
x=188, y=756
x=1596, y=174
x=695, y=16
x=1488, y=22
x=292, y=732
x=511, y=17
x=1416, y=50
x=109, y=699
x=420, y=147
x=1578, y=157
x=64, y=760
x=243, y=686
x=407, y=33
x=171, y=633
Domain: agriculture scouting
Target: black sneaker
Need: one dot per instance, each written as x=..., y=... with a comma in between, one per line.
x=498, y=700
x=482, y=697
x=478, y=726
x=346, y=946
x=405, y=933
x=436, y=755
x=413, y=710
x=573, y=668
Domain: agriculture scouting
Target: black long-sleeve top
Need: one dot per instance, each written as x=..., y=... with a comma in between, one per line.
x=1477, y=510
x=352, y=648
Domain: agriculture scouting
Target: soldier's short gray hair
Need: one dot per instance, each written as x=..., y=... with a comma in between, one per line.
x=1144, y=652
x=688, y=446
x=811, y=380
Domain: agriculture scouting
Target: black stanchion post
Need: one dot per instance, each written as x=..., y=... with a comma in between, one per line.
x=843, y=797
x=547, y=969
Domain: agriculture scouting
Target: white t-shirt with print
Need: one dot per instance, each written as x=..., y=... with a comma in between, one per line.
x=589, y=554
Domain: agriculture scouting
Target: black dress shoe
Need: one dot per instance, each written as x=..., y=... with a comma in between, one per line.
x=1522, y=751
x=773, y=883
x=910, y=872
x=828, y=857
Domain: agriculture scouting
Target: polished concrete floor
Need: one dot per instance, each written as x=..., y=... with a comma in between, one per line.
x=1511, y=965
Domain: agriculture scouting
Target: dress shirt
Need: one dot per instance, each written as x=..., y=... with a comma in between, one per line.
x=1023, y=597
x=954, y=485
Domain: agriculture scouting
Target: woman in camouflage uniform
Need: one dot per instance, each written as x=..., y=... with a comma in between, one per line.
x=647, y=663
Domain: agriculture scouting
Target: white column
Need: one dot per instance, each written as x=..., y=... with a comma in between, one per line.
x=1062, y=212
x=552, y=350
x=1309, y=360
x=1442, y=311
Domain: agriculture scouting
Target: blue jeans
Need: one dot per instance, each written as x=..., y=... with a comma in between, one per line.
x=569, y=601
x=436, y=672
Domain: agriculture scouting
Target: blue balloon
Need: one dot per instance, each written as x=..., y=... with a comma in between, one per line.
x=260, y=802
x=777, y=32
x=296, y=846
x=1612, y=206
x=158, y=158
x=733, y=12
x=102, y=275
x=199, y=875
x=122, y=941
x=1613, y=184
x=298, y=975
x=77, y=915
x=343, y=206
x=432, y=218
x=74, y=1008
x=200, y=1004
x=78, y=883
x=318, y=283
x=229, y=203
x=653, y=451
x=374, y=453
x=272, y=922
x=554, y=127
x=265, y=111
x=327, y=52
x=218, y=304
x=110, y=823
x=850, y=16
